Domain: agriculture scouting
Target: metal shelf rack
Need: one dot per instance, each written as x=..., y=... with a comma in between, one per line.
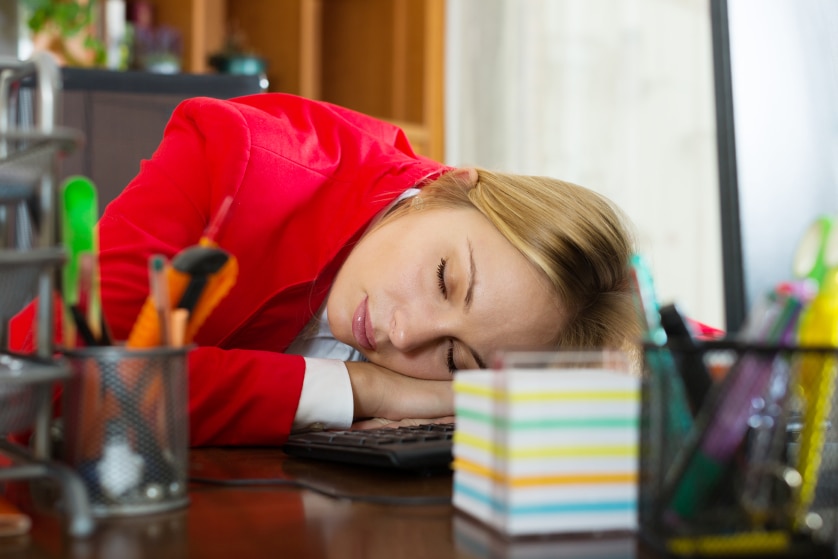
x=30, y=259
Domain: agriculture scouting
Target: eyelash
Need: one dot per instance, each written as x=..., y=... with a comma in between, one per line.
x=452, y=368
x=440, y=275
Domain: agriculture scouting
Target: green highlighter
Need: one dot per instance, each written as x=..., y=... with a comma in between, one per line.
x=79, y=213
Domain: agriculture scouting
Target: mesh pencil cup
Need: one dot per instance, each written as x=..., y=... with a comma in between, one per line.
x=126, y=427
x=754, y=469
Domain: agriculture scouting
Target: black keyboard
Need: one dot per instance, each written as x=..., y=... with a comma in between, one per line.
x=419, y=447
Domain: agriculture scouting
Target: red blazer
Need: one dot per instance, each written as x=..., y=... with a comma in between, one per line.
x=306, y=178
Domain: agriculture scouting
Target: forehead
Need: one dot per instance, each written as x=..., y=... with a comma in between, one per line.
x=513, y=305
x=513, y=299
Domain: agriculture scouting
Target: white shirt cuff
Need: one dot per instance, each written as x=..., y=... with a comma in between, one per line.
x=326, y=399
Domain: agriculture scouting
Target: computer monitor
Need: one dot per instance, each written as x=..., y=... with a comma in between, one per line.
x=776, y=85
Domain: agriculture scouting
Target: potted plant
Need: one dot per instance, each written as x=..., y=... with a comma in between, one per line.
x=67, y=29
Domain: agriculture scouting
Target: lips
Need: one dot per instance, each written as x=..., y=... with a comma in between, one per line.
x=362, y=326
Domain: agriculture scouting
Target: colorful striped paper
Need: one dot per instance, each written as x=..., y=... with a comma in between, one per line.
x=548, y=450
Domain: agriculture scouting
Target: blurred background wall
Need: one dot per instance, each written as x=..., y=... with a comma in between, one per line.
x=613, y=95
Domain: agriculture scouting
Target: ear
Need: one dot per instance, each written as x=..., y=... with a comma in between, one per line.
x=467, y=175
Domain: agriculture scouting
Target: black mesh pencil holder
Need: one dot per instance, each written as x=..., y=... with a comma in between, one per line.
x=739, y=450
x=126, y=427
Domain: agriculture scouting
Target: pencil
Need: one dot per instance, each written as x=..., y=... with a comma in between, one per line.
x=180, y=318
x=159, y=288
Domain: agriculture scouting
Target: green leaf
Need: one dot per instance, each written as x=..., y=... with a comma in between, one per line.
x=67, y=15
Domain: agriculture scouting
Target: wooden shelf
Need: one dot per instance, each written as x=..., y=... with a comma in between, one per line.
x=380, y=57
x=202, y=24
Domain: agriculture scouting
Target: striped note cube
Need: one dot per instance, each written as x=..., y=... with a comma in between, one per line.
x=547, y=450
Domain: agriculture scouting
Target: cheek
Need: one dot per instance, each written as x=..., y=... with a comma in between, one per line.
x=522, y=315
x=399, y=281
x=384, y=263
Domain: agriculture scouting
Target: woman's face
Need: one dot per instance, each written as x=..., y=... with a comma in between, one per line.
x=440, y=290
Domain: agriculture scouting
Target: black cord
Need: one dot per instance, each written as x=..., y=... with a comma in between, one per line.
x=376, y=499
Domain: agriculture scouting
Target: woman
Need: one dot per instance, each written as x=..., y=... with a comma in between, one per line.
x=367, y=274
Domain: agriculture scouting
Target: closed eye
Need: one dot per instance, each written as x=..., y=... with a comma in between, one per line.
x=440, y=276
x=449, y=358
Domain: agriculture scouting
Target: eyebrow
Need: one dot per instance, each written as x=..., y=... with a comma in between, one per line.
x=470, y=289
x=469, y=294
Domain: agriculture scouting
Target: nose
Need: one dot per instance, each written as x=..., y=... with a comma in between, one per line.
x=411, y=331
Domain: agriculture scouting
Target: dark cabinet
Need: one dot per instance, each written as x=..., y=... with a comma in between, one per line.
x=123, y=114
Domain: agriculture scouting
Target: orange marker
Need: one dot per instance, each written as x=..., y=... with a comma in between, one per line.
x=198, y=278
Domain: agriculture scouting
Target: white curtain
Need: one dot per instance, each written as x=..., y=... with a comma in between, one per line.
x=616, y=95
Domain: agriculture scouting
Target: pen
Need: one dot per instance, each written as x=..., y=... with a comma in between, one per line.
x=216, y=287
x=88, y=296
x=159, y=289
x=82, y=328
x=690, y=361
x=213, y=230
x=818, y=327
x=197, y=279
x=722, y=426
x=668, y=409
x=77, y=311
x=662, y=365
x=766, y=468
x=180, y=317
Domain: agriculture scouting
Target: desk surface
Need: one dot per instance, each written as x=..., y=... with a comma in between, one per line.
x=287, y=521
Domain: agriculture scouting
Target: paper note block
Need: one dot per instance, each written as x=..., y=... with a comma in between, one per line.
x=548, y=450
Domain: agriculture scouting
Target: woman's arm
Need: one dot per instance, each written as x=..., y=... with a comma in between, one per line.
x=379, y=392
x=257, y=405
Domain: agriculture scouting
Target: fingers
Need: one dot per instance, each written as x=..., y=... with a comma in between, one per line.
x=379, y=422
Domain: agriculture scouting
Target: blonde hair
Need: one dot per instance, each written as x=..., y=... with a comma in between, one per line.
x=578, y=239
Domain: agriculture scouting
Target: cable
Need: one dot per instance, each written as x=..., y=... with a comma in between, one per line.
x=376, y=499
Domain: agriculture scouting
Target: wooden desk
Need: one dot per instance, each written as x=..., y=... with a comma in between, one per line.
x=293, y=523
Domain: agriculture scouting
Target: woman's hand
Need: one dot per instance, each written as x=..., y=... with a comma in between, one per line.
x=381, y=393
x=380, y=422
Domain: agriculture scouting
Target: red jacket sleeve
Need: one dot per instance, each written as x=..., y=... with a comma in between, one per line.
x=242, y=397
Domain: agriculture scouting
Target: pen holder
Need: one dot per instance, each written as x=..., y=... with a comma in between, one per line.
x=753, y=469
x=126, y=427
